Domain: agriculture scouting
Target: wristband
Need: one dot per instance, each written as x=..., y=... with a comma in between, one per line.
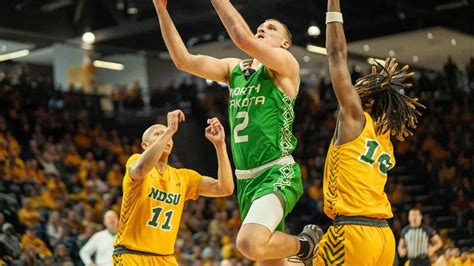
x=334, y=17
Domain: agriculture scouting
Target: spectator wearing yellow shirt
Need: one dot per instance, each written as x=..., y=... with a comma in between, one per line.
x=115, y=176
x=29, y=239
x=33, y=173
x=456, y=259
x=87, y=193
x=228, y=249
x=36, y=199
x=3, y=148
x=15, y=167
x=72, y=159
x=55, y=189
x=304, y=172
x=447, y=258
x=27, y=215
x=464, y=259
x=13, y=144
x=82, y=139
x=122, y=158
x=218, y=225
x=89, y=163
x=235, y=221
x=446, y=174
x=113, y=146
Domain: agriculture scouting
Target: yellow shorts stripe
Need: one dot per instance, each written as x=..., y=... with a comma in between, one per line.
x=334, y=248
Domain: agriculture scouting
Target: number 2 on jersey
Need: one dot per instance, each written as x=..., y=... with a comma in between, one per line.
x=240, y=127
x=156, y=214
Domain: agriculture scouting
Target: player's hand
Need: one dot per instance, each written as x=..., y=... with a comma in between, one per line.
x=390, y=65
x=215, y=131
x=174, y=118
x=160, y=3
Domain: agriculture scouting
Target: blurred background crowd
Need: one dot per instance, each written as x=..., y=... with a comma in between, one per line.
x=62, y=162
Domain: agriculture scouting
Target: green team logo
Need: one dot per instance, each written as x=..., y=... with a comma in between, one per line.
x=383, y=160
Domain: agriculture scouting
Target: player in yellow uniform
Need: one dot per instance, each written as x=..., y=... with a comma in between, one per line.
x=154, y=194
x=360, y=154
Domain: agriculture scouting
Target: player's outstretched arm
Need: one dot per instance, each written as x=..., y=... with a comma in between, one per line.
x=200, y=65
x=277, y=59
x=224, y=184
x=152, y=154
x=336, y=46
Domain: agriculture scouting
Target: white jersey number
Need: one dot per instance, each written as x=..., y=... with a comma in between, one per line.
x=240, y=127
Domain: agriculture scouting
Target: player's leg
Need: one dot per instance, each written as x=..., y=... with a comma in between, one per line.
x=257, y=238
x=387, y=245
x=273, y=194
x=276, y=262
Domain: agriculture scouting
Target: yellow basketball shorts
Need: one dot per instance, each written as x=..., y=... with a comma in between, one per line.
x=357, y=245
x=128, y=259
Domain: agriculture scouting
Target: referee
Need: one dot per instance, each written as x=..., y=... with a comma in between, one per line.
x=418, y=241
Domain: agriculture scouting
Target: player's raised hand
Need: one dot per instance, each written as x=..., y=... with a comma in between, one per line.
x=174, y=118
x=160, y=3
x=215, y=131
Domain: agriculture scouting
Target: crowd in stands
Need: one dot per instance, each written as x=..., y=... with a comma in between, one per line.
x=61, y=169
x=127, y=98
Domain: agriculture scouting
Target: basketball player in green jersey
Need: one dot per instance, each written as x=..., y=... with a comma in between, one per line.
x=262, y=96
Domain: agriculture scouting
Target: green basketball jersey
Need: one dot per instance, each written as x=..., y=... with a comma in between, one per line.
x=261, y=119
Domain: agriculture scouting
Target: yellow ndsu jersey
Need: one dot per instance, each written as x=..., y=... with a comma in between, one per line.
x=152, y=208
x=355, y=174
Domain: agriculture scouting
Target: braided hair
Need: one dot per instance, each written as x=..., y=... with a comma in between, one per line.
x=393, y=111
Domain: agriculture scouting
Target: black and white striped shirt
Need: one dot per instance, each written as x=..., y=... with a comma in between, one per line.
x=417, y=239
